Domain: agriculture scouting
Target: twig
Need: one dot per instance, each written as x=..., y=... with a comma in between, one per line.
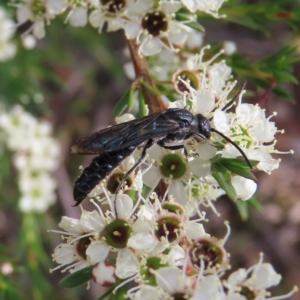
x=154, y=103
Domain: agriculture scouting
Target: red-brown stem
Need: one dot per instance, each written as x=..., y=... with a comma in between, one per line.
x=155, y=103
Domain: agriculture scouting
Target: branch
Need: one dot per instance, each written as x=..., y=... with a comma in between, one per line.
x=154, y=103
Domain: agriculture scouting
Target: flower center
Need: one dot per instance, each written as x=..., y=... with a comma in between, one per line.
x=155, y=22
x=168, y=228
x=172, y=208
x=245, y=291
x=113, y=6
x=82, y=246
x=245, y=139
x=117, y=234
x=180, y=296
x=207, y=253
x=38, y=8
x=114, y=181
x=152, y=263
x=172, y=166
x=189, y=77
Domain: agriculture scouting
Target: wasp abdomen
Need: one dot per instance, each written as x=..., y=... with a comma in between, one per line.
x=101, y=166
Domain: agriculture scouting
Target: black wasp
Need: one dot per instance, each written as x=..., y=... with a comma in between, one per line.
x=115, y=143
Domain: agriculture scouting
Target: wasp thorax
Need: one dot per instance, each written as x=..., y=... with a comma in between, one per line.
x=117, y=234
x=184, y=80
x=207, y=254
x=113, y=6
x=155, y=22
x=168, y=228
x=81, y=247
x=114, y=181
x=173, y=166
x=152, y=263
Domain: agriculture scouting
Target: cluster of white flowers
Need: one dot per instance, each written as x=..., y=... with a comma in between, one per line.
x=157, y=241
x=157, y=248
x=153, y=25
x=7, y=30
x=36, y=155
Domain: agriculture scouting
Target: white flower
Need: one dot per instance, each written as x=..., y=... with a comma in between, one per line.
x=252, y=131
x=114, y=13
x=245, y=188
x=229, y=47
x=263, y=276
x=81, y=247
x=157, y=28
x=78, y=17
x=7, y=30
x=104, y=274
x=208, y=6
x=208, y=288
x=37, y=192
x=127, y=264
x=36, y=154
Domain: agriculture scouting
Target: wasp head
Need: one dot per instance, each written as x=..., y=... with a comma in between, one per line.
x=204, y=129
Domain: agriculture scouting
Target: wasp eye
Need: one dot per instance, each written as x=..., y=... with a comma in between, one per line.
x=204, y=129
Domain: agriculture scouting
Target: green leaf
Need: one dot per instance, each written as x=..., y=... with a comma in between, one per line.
x=254, y=203
x=122, y=103
x=223, y=177
x=283, y=92
x=152, y=90
x=118, y=294
x=77, y=278
x=242, y=207
x=193, y=24
x=121, y=292
x=8, y=291
x=238, y=166
x=142, y=106
x=130, y=100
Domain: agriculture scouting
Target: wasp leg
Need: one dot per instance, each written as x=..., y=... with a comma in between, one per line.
x=175, y=147
x=148, y=145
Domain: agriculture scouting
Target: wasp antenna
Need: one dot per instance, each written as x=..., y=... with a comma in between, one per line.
x=235, y=97
x=234, y=144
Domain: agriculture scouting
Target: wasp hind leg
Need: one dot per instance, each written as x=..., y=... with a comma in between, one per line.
x=143, y=155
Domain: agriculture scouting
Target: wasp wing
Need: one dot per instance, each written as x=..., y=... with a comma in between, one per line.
x=120, y=136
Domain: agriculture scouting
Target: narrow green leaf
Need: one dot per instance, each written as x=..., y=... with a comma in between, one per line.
x=238, y=166
x=193, y=24
x=152, y=90
x=142, y=106
x=283, y=92
x=77, y=278
x=242, y=207
x=254, y=203
x=285, y=77
x=122, y=104
x=121, y=292
x=130, y=100
x=223, y=177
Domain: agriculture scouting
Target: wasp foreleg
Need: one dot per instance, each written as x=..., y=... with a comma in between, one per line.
x=175, y=147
